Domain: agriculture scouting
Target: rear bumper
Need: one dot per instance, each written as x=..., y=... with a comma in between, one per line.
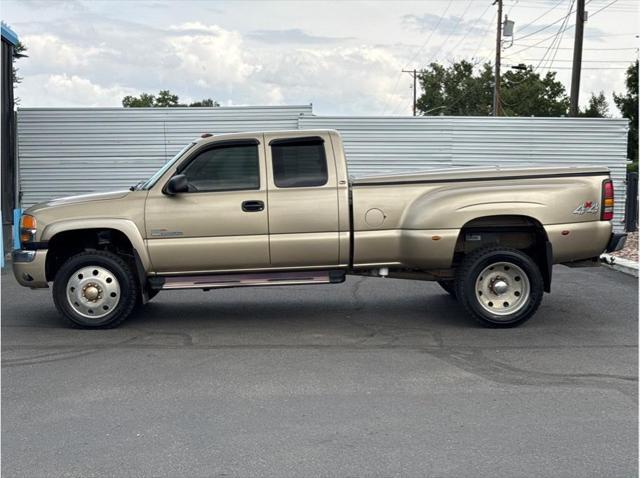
x=29, y=267
x=616, y=242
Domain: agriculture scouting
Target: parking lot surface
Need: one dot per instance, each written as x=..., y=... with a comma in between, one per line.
x=371, y=378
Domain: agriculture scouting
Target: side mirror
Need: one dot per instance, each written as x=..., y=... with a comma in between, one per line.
x=177, y=184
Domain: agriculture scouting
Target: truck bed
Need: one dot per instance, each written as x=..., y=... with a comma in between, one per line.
x=418, y=217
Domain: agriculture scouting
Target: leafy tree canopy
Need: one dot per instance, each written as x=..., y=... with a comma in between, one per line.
x=204, y=103
x=164, y=99
x=597, y=107
x=526, y=93
x=463, y=89
x=18, y=52
x=457, y=90
x=145, y=100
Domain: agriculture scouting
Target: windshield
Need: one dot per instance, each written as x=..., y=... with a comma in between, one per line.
x=154, y=179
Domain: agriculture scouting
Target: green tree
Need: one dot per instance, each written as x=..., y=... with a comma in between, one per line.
x=143, y=101
x=627, y=103
x=164, y=99
x=457, y=90
x=18, y=52
x=597, y=107
x=526, y=93
x=206, y=103
x=463, y=89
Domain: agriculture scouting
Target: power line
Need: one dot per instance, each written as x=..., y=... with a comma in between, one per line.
x=395, y=86
x=484, y=36
x=484, y=58
x=559, y=39
x=573, y=26
x=544, y=14
x=583, y=61
x=455, y=27
x=562, y=19
x=415, y=55
x=470, y=29
x=555, y=38
x=603, y=8
x=593, y=68
x=480, y=44
x=588, y=49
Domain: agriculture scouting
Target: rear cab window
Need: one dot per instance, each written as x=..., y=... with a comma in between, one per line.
x=299, y=162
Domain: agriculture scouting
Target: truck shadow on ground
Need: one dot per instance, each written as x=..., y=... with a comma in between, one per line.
x=427, y=310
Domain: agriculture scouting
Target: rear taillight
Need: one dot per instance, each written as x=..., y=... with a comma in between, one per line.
x=607, y=200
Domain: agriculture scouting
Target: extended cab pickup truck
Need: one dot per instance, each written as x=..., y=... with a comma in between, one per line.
x=279, y=208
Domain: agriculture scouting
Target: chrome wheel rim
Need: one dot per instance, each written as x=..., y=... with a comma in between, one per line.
x=502, y=289
x=93, y=292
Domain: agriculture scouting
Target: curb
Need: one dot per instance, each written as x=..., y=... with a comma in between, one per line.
x=619, y=264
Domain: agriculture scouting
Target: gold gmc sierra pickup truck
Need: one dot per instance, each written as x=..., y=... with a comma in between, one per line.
x=279, y=208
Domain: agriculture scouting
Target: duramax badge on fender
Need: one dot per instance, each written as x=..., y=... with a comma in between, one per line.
x=279, y=208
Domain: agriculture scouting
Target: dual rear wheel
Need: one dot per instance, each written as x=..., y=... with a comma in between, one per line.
x=498, y=287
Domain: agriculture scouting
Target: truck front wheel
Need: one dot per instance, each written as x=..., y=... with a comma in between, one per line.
x=95, y=289
x=499, y=287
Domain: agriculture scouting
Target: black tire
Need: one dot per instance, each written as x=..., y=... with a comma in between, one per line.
x=449, y=286
x=115, y=265
x=468, y=275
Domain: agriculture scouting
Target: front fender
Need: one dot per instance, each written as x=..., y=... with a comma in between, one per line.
x=125, y=226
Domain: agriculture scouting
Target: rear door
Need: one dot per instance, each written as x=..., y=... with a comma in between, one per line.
x=303, y=200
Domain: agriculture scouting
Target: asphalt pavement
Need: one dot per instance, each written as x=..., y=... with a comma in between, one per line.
x=374, y=377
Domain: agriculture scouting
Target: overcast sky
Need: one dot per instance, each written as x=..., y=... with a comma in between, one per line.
x=344, y=57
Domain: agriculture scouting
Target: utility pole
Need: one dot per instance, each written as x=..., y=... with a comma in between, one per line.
x=496, y=87
x=413, y=73
x=577, y=59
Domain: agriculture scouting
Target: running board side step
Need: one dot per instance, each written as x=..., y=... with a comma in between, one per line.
x=221, y=281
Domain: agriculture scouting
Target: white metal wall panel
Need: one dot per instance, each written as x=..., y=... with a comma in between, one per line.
x=385, y=144
x=66, y=151
x=395, y=144
x=73, y=151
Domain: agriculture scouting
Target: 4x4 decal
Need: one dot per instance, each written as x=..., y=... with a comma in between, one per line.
x=589, y=207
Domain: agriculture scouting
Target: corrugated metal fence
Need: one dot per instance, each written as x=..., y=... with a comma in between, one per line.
x=72, y=151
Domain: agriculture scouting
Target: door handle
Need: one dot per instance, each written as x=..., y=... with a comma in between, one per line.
x=252, y=206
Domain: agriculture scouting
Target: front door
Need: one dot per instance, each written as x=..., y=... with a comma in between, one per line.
x=221, y=223
x=303, y=200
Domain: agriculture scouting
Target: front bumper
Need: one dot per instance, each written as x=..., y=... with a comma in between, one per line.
x=29, y=267
x=616, y=242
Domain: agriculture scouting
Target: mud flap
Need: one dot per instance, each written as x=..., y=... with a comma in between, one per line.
x=140, y=272
x=546, y=266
